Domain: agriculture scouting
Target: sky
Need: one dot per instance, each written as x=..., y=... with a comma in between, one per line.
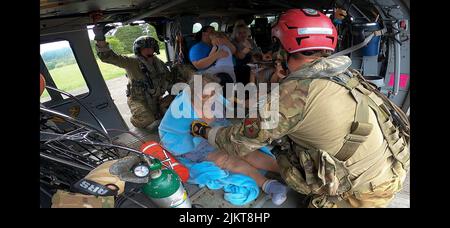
x=65, y=44
x=54, y=46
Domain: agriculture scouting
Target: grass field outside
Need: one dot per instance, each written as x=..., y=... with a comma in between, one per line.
x=69, y=77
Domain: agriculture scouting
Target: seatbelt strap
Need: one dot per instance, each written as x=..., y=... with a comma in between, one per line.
x=360, y=45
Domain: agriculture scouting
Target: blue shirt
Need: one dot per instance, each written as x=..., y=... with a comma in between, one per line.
x=199, y=51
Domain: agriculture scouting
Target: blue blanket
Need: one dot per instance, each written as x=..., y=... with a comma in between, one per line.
x=239, y=189
x=175, y=136
x=175, y=127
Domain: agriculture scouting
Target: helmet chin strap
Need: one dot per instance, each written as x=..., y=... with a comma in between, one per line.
x=285, y=66
x=279, y=50
x=285, y=56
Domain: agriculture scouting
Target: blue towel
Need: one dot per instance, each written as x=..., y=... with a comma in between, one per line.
x=175, y=132
x=239, y=189
x=175, y=136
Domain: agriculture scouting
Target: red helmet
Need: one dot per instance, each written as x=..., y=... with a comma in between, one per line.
x=305, y=29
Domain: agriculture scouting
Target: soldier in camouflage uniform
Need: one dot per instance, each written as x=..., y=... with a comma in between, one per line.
x=338, y=140
x=148, y=78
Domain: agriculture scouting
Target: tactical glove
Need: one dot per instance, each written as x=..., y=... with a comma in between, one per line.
x=100, y=30
x=198, y=128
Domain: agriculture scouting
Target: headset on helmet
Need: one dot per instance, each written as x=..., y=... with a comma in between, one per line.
x=301, y=30
x=145, y=42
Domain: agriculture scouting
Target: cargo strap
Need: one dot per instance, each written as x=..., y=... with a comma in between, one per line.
x=146, y=72
x=360, y=45
x=361, y=127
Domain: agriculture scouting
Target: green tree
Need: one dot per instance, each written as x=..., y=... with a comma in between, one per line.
x=51, y=65
x=127, y=35
x=116, y=45
x=124, y=37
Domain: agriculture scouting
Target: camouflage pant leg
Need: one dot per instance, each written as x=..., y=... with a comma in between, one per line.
x=63, y=199
x=381, y=196
x=141, y=114
x=350, y=202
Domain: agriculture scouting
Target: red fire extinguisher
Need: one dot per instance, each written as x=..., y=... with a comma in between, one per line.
x=155, y=150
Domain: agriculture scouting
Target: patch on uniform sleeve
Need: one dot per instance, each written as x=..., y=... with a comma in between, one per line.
x=251, y=127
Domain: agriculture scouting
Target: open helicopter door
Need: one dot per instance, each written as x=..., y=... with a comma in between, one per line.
x=86, y=80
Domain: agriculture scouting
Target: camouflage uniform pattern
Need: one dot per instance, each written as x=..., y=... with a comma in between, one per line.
x=145, y=42
x=316, y=115
x=62, y=199
x=144, y=94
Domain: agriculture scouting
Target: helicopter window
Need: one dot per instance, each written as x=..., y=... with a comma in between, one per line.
x=215, y=25
x=196, y=27
x=63, y=68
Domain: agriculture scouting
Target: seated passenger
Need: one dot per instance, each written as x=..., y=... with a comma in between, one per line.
x=200, y=54
x=176, y=137
x=222, y=65
x=246, y=48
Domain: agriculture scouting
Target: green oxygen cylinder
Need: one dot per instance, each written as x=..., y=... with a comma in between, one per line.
x=164, y=188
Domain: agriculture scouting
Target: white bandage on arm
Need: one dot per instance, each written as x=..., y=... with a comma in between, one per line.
x=212, y=135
